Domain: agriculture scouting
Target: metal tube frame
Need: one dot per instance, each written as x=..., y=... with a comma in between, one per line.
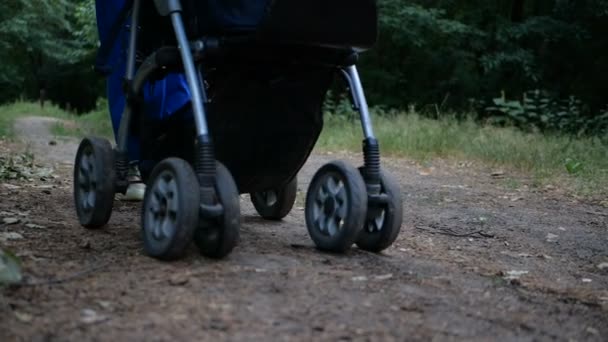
x=192, y=75
x=351, y=75
x=125, y=121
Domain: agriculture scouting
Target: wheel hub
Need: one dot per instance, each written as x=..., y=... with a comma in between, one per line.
x=87, y=182
x=330, y=206
x=162, y=207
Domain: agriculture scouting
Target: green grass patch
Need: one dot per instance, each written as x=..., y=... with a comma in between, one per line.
x=580, y=164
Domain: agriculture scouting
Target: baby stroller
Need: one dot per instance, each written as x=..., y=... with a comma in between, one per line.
x=254, y=75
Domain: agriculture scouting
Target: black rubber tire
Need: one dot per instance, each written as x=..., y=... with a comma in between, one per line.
x=354, y=202
x=158, y=200
x=101, y=168
x=217, y=237
x=376, y=240
x=284, y=199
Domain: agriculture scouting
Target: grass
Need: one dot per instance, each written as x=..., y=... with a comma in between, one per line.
x=580, y=165
x=96, y=122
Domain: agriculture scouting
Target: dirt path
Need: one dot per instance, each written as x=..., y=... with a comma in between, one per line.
x=36, y=133
x=446, y=278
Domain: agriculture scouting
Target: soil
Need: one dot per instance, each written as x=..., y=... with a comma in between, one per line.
x=482, y=255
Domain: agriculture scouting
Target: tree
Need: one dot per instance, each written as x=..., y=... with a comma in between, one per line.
x=45, y=44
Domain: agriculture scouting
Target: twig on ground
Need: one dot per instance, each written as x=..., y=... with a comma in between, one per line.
x=69, y=278
x=450, y=232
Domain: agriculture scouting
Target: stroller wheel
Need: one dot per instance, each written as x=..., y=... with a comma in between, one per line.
x=336, y=204
x=275, y=204
x=170, y=209
x=216, y=237
x=94, y=179
x=383, y=222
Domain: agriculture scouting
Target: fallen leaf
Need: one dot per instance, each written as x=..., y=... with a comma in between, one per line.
x=359, y=278
x=34, y=226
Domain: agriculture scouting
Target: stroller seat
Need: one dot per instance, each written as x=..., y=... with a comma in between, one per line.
x=314, y=30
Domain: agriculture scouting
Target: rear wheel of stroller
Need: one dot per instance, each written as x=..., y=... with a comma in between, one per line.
x=94, y=179
x=336, y=204
x=217, y=237
x=275, y=204
x=383, y=221
x=170, y=209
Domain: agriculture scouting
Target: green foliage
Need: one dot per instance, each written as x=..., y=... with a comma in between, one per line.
x=47, y=44
x=576, y=164
x=452, y=53
x=10, y=268
x=439, y=56
x=540, y=110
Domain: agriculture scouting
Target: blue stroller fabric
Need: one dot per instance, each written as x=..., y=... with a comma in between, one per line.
x=166, y=97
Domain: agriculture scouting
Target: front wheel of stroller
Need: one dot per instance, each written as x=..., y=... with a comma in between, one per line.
x=275, y=204
x=383, y=222
x=94, y=179
x=217, y=237
x=336, y=204
x=170, y=209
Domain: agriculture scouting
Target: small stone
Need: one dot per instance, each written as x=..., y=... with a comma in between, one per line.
x=34, y=226
x=359, y=278
x=10, y=236
x=384, y=276
x=46, y=191
x=23, y=316
x=514, y=274
x=11, y=186
x=89, y=316
x=552, y=237
x=603, y=265
x=104, y=304
x=85, y=244
x=52, y=143
x=10, y=220
x=586, y=280
x=592, y=331
x=179, y=279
